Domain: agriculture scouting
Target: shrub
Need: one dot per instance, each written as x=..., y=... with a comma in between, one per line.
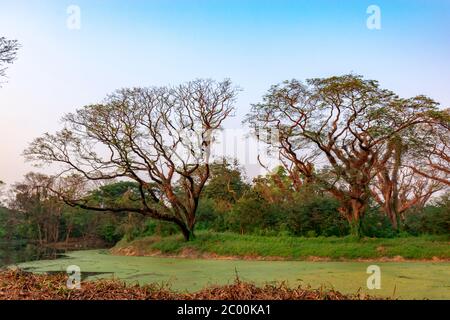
x=377, y=225
x=433, y=219
x=110, y=233
x=317, y=215
x=212, y=215
x=154, y=227
x=252, y=213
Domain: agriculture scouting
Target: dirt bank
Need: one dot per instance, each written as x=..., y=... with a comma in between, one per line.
x=189, y=253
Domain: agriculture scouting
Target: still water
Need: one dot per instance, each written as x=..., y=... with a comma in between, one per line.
x=16, y=251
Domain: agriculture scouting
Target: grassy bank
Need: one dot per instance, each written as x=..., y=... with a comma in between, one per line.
x=290, y=248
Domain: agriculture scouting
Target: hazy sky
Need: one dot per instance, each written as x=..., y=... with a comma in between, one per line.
x=255, y=43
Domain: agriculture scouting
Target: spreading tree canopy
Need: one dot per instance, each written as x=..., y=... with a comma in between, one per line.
x=158, y=137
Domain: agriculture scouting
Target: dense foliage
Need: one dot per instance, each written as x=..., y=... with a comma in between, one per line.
x=269, y=205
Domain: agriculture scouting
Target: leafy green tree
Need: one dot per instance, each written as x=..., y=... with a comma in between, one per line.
x=311, y=213
x=42, y=210
x=226, y=183
x=253, y=214
x=225, y=187
x=432, y=219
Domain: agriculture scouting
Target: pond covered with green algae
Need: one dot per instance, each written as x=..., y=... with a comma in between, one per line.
x=416, y=280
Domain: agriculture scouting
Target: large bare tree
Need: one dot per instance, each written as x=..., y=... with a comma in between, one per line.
x=398, y=189
x=159, y=137
x=432, y=159
x=342, y=125
x=398, y=186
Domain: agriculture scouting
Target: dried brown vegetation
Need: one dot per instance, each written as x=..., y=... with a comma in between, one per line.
x=19, y=285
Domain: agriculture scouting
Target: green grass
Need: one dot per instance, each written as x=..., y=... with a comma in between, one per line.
x=298, y=248
x=416, y=280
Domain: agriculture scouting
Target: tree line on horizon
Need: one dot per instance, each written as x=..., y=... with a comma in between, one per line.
x=269, y=205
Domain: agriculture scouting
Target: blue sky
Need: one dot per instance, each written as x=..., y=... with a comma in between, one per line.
x=255, y=43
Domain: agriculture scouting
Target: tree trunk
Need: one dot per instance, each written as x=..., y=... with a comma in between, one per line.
x=39, y=234
x=69, y=231
x=354, y=214
x=188, y=234
x=390, y=209
x=355, y=228
x=56, y=236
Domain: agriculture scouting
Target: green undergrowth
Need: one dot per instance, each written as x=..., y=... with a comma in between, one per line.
x=295, y=248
